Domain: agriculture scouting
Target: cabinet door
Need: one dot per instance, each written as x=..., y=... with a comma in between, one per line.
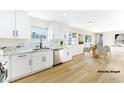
x=37, y=63
x=65, y=55
x=20, y=68
x=42, y=61
x=21, y=25
x=62, y=31
x=55, y=29
x=48, y=59
x=7, y=24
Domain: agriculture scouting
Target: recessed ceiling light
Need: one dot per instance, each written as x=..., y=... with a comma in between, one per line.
x=90, y=22
x=65, y=14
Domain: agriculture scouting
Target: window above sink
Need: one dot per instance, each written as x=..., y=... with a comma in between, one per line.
x=39, y=33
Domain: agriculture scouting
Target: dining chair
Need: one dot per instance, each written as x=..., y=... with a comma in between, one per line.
x=102, y=51
x=108, y=50
x=87, y=50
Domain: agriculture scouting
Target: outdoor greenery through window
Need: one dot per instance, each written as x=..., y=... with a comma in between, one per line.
x=39, y=33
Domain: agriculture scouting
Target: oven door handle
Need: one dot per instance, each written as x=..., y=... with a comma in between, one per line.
x=5, y=63
x=5, y=76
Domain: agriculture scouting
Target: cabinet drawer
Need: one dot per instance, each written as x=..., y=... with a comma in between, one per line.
x=42, y=53
x=21, y=56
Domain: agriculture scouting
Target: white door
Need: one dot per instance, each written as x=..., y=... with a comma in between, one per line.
x=7, y=24
x=20, y=68
x=21, y=25
x=37, y=63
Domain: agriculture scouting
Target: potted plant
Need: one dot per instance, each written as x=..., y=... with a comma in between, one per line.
x=61, y=43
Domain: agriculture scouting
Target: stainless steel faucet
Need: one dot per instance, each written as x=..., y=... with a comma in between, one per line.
x=40, y=43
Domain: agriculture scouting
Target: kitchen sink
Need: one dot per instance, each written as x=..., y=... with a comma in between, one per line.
x=41, y=49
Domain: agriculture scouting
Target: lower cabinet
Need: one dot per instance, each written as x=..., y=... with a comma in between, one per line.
x=20, y=65
x=37, y=63
x=65, y=55
x=42, y=60
x=28, y=63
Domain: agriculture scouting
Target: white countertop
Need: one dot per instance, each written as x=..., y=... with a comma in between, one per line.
x=14, y=52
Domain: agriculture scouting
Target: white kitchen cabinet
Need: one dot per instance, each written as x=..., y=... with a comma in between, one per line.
x=7, y=24
x=21, y=24
x=65, y=55
x=20, y=65
x=42, y=60
x=63, y=31
x=24, y=64
x=13, y=24
x=54, y=29
x=37, y=63
x=58, y=30
x=48, y=59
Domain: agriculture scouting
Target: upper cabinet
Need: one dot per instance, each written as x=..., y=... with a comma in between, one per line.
x=13, y=24
x=7, y=24
x=21, y=24
x=58, y=30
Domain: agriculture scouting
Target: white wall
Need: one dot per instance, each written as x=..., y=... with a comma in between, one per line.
x=84, y=32
x=78, y=48
x=11, y=42
x=109, y=37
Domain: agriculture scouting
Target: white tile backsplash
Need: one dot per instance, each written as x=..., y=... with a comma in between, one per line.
x=12, y=42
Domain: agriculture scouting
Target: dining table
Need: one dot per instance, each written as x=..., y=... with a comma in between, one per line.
x=94, y=54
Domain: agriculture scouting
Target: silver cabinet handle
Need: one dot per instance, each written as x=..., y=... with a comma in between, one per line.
x=44, y=59
x=30, y=62
x=13, y=33
x=16, y=33
x=22, y=56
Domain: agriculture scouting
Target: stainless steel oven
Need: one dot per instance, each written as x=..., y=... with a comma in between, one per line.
x=3, y=73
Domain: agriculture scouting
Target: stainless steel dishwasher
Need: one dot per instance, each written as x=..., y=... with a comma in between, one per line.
x=56, y=56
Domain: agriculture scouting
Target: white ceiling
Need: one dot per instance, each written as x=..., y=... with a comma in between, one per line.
x=92, y=20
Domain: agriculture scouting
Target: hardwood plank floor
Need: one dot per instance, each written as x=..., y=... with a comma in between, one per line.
x=82, y=69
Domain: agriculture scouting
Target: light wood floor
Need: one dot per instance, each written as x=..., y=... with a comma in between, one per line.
x=82, y=68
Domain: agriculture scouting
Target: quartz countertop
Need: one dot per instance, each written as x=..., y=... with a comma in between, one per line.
x=14, y=52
